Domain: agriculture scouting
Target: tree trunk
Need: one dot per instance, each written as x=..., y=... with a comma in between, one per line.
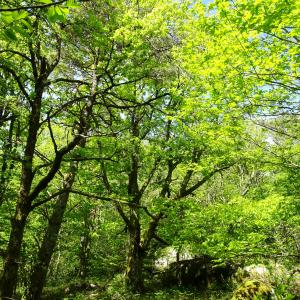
x=42, y=69
x=135, y=258
x=86, y=242
x=7, y=147
x=84, y=255
x=40, y=269
x=11, y=266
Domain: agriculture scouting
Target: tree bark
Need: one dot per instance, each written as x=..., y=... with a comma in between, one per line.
x=11, y=265
x=133, y=273
x=41, y=70
x=40, y=269
x=135, y=257
x=4, y=176
x=85, y=244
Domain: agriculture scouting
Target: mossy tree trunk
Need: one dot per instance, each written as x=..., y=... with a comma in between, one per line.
x=12, y=260
x=11, y=265
x=135, y=256
x=6, y=167
x=86, y=243
x=41, y=68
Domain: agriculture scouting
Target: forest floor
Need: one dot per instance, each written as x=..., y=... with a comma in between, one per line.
x=97, y=291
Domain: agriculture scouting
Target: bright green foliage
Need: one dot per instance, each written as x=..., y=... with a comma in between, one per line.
x=239, y=228
x=191, y=127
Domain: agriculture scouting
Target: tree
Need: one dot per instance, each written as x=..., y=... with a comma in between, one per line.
x=171, y=110
x=43, y=90
x=28, y=47
x=158, y=160
x=41, y=266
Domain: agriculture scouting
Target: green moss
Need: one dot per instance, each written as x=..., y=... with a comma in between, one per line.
x=252, y=289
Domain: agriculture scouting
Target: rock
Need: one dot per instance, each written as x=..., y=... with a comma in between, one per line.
x=199, y=272
x=253, y=289
x=254, y=272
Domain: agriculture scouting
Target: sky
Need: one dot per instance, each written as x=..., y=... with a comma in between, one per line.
x=207, y=1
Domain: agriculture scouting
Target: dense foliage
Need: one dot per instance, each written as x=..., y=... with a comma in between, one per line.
x=135, y=135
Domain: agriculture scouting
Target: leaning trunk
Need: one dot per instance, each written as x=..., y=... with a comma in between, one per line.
x=40, y=269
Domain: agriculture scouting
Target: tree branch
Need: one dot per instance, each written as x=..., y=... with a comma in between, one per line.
x=17, y=53
x=37, y=204
x=159, y=239
x=149, y=178
x=18, y=80
x=190, y=190
x=39, y=6
x=123, y=215
x=68, y=81
x=150, y=233
x=55, y=167
x=275, y=130
x=51, y=134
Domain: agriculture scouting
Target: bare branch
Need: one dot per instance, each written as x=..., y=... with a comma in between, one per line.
x=90, y=158
x=97, y=197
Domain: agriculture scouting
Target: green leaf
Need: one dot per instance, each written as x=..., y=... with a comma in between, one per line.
x=72, y=4
x=20, y=15
x=22, y=31
x=63, y=11
x=10, y=34
x=7, y=17
x=57, y=14
x=27, y=24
